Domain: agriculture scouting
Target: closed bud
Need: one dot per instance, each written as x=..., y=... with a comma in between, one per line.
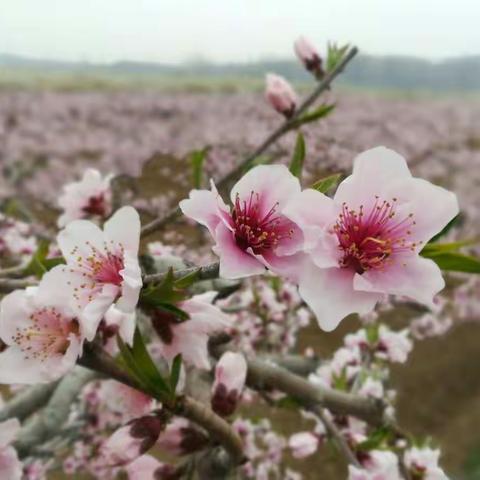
x=133, y=439
x=309, y=56
x=280, y=95
x=230, y=375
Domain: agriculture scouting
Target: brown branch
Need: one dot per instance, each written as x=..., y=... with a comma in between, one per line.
x=271, y=139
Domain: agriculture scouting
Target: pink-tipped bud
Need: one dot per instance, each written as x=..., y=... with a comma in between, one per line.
x=133, y=439
x=280, y=95
x=230, y=375
x=309, y=56
x=180, y=437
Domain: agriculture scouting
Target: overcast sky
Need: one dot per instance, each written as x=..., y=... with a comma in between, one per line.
x=233, y=30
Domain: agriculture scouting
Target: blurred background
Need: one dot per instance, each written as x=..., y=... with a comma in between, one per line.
x=132, y=86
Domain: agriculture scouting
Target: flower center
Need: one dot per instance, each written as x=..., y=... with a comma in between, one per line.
x=96, y=206
x=47, y=335
x=368, y=240
x=102, y=267
x=260, y=232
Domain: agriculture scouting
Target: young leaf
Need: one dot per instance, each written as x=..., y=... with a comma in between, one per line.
x=325, y=184
x=296, y=165
x=163, y=292
x=180, y=314
x=175, y=373
x=197, y=159
x=187, y=280
x=39, y=263
x=453, y=261
x=335, y=55
x=320, y=112
x=141, y=364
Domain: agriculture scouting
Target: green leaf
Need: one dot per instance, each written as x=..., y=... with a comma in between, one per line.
x=326, y=183
x=175, y=372
x=140, y=362
x=453, y=261
x=335, y=55
x=309, y=117
x=437, y=248
x=288, y=402
x=180, y=314
x=163, y=292
x=197, y=159
x=296, y=165
x=375, y=440
x=187, y=280
x=39, y=263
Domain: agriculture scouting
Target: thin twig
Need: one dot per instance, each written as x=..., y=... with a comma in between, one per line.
x=272, y=138
x=337, y=436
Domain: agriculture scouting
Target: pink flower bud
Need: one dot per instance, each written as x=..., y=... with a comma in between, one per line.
x=181, y=438
x=303, y=444
x=132, y=440
x=280, y=95
x=309, y=56
x=230, y=375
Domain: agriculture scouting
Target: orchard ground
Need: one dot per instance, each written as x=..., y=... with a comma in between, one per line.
x=48, y=137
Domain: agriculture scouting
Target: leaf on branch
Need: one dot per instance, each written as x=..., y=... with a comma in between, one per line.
x=296, y=165
x=316, y=114
x=40, y=264
x=378, y=438
x=140, y=363
x=179, y=314
x=187, y=280
x=335, y=54
x=175, y=372
x=454, y=261
x=197, y=158
x=164, y=292
x=325, y=184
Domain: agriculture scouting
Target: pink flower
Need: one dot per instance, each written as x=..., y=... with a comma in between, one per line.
x=309, y=56
x=147, y=467
x=254, y=234
x=365, y=243
x=102, y=266
x=393, y=346
x=10, y=466
x=91, y=196
x=423, y=463
x=380, y=465
x=303, y=444
x=230, y=375
x=280, y=95
x=180, y=437
x=190, y=337
x=41, y=332
x=132, y=440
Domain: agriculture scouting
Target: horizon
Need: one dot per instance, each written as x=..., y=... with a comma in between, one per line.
x=240, y=31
